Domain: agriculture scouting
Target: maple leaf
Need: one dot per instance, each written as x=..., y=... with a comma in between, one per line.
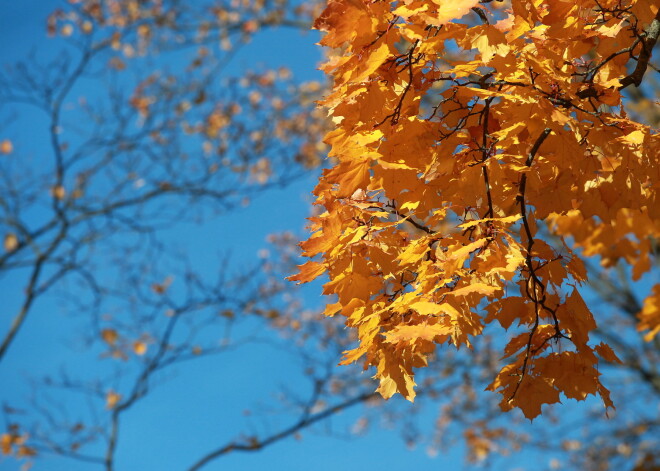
x=308, y=272
x=532, y=394
x=649, y=317
x=413, y=333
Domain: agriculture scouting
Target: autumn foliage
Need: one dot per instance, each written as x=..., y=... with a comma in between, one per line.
x=482, y=152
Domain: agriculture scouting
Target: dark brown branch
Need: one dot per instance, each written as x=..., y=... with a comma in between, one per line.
x=648, y=43
x=627, y=50
x=481, y=14
x=304, y=422
x=61, y=451
x=31, y=291
x=140, y=389
x=408, y=218
x=396, y=114
x=530, y=243
x=486, y=152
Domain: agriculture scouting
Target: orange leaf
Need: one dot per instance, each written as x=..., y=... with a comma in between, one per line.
x=139, y=347
x=532, y=394
x=109, y=336
x=308, y=272
x=6, y=147
x=423, y=331
x=111, y=399
x=606, y=352
x=11, y=242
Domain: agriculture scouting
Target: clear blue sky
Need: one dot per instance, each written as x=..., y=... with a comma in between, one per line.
x=201, y=405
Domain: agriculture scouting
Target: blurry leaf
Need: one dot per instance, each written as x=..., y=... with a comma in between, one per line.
x=11, y=242
x=161, y=288
x=25, y=451
x=6, y=147
x=111, y=399
x=6, y=441
x=58, y=192
x=109, y=336
x=649, y=317
x=67, y=30
x=139, y=347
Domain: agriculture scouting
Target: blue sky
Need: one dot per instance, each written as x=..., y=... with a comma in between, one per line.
x=200, y=405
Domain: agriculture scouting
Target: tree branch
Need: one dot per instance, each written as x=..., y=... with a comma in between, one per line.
x=652, y=34
x=304, y=422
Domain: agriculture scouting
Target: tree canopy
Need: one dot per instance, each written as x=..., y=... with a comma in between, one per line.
x=477, y=166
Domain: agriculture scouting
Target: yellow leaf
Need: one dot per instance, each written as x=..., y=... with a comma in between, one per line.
x=369, y=62
x=308, y=272
x=502, y=221
x=6, y=441
x=457, y=256
x=350, y=176
x=394, y=377
x=332, y=309
x=439, y=11
x=112, y=399
x=489, y=41
x=432, y=309
x=649, y=317
x=11, y=242
x=6, y=147
x=634, y=138
x=139, y=347
x=423, y=331
x=478, y=288
x=58, y=192
x=387, y=387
